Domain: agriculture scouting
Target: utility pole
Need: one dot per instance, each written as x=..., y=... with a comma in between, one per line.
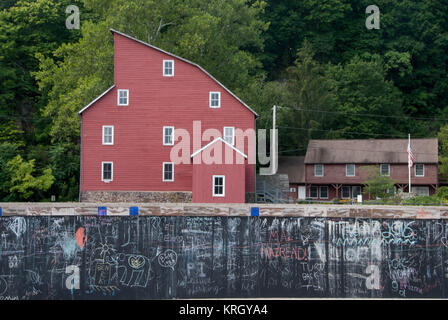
x=274, y=144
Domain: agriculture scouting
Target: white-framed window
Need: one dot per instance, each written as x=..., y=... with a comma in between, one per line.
x=107, y=171
x=345, y=192
x=123, y=97
x=168, y=171
x=168, y=136
x=419, y=170
x=421, y=191
x=323, y=191
x=314, y=192
x=108, y=135
x=292, y=189
x=385, y=169
x=219, y=186
x=215, y=99
x=229, y=135
x=350, y=170
x=318, y=170
x=168, y=68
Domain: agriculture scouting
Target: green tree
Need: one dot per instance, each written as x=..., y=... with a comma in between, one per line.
x=376, y=185
x=23, y=184
x=443, y=152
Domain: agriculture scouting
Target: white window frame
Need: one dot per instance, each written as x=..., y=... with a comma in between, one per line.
x=233, y=134
x=317, y=193
x=223, y=186
x=415, y=188
x=349, y=192
x=172, y=136
x=127, y=97
x=415, y=170
x=318, y=164
x=163, y=172
x=388, y=169
x=346, y=170
x=111, y=171
x=210, y=99
x=320, y=192
x=164, y=68
x=104, y=135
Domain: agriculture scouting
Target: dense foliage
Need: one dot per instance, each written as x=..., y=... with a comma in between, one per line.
x=330, y=76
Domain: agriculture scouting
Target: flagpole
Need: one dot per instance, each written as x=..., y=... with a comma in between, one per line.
x=409, y=161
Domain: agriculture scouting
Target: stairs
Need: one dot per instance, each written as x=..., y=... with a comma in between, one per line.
x=267, y=193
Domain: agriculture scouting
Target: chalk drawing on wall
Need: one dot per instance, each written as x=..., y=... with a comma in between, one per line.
x=168, y=259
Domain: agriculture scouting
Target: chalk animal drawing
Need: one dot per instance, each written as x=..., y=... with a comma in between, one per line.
x=134, y=270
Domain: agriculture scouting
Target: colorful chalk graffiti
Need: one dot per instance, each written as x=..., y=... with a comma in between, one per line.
x=142, y=257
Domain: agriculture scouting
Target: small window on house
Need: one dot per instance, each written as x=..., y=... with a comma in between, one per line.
x=385, y=169
x=345, y=192
x=350, y=170
x=314, y=192
x=324, y=192
x=229, y=135
x=168, y=171
x=419, y=170
x=318, y=170
x=219, y=186
x=123, y=97
x=168, y=68
x=356, y=190
x=108, y=135
x=107, y=173
x=215, y=99
x=292, y=189
x=168, y=136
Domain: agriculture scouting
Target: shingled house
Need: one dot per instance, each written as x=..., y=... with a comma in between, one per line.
x=332, y=167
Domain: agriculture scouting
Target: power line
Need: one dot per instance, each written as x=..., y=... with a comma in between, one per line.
x=366, y=114
x=352, y=132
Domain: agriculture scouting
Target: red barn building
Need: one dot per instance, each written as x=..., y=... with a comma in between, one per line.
x=161, y=107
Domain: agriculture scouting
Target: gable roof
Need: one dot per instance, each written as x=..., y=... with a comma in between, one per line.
x=96, y=99
x=213, y=142
x=294, y=167
x=371, y=151
x=189, y=62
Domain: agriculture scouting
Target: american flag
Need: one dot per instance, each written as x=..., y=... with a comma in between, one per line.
x=410, y=155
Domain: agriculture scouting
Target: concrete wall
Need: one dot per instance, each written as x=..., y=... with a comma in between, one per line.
x=287, y=251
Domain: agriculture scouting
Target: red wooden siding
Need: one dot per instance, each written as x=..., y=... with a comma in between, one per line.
x=154, y=102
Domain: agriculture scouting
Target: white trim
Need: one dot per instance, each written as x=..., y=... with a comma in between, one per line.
x=96, y=99
x=233, y=134
x=165, y=74
x=354, y=170
x=388, y=170
x=127, y=97
x=210, y=99
x=163, y=172
x=223, y=186
x=189, y=62
x=108, y=143
x=316, y=192
x=172, y=136
x=318, y=164
x=415, y=170
x=320, y=192
x=217, y=139
x=111, y=171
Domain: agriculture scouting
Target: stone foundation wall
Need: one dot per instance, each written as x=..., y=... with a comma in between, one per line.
x=136, y=196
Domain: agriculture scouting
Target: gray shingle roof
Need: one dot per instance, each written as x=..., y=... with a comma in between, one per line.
x=294, y=167
x=371, y=151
